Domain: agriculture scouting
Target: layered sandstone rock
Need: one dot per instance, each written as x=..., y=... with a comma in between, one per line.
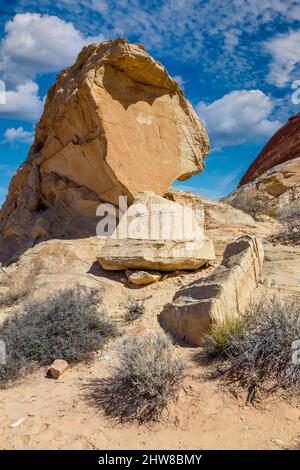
x=115, y=123
x=225, y=293
x=223, y=222
x=282, y=147
x=276, y=193
x=281, y=269
x=157, y=234
x=161, y=255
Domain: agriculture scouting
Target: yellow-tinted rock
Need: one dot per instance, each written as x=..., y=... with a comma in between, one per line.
x=115, y=123
x=157, y=234
x=225, y=293
x=58, y=368
x=139, y=278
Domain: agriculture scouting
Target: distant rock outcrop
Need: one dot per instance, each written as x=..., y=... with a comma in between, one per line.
x=115, y=123
x=283, y=146
x=275, y=193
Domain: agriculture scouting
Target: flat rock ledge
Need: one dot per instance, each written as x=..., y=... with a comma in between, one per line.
x=226, y=293
x=144, y=248
x=164, y=255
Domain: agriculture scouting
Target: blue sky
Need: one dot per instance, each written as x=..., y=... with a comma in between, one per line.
x=235, y=60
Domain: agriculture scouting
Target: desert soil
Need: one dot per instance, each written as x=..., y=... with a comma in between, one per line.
x=43, y=413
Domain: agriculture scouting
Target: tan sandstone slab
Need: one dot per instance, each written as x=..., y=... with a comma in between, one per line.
x=157, y=234
x=225, y=293
x=161, y=255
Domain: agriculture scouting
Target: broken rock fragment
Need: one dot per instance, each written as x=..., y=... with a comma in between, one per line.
x=58, y=368
x=225, y=293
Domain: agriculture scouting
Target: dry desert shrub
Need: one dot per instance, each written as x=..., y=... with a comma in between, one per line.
x=12, y=299
x=289, y=216
x=134, y=309
x=145, y=380
x=260, y=357
x=248, y=203
x=65, y=325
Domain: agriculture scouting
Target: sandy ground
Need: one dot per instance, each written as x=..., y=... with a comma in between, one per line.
x=54, y=414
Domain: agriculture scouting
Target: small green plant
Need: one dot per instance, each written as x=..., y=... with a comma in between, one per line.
x=66, y=325
x=134, y=309
x=217, y=343
x=147, y=377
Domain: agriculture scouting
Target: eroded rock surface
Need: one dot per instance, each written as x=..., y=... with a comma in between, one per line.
x=223, y=222
x=157, y=234
x=225, y=293
x=275, y=193
x=115, y=123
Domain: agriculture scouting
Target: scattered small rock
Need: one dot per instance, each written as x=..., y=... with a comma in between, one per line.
x=104, y=357
x=58, y=368
x=139, y=331
x=280, y=443
x=139, y=278
x=17, y=423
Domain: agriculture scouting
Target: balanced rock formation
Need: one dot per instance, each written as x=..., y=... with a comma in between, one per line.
x=225, y=293
x=157, y=234
x=115, y=123
x=282, y=147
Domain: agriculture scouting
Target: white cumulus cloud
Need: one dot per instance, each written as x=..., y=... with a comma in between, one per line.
x=18, y=134
x=238, y=117
x=284, y=49
x=22, y=103
x=36, y=44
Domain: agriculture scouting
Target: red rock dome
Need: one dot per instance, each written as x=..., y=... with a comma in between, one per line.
x=283, y=146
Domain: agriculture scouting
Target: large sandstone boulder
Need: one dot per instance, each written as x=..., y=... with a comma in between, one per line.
x=157, y=234
x=225, y=293
x=282, y=147
x=115, y=123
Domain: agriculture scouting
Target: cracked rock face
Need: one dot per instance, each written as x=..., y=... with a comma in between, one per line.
x=115, y=123
x=226, y=293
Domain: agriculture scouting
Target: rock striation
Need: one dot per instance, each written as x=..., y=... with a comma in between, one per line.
x=275, y=193
x=225, y=293
x=157, y=234
x=282, y=147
